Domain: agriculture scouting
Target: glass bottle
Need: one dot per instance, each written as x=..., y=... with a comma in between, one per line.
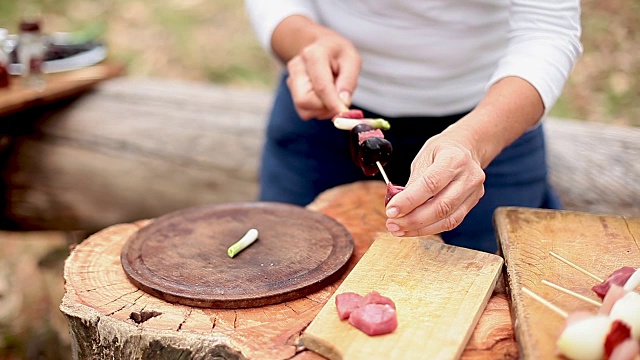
x=4, y=59
x=31, y=52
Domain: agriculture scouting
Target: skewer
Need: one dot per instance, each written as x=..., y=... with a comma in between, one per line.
x=574, y=294
x=546, y=303
x=384, y=174
x=575, y=266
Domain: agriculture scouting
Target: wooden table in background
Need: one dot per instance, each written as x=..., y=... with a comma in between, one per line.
x=111, y=318
x=58, y=86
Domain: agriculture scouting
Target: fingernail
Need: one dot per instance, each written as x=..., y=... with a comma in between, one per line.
x=398, y=233
x=392, y=212
x=393, y=227
x=345, y=96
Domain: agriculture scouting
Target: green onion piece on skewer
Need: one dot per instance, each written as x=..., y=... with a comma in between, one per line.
x=249, y=238
x=348, y=123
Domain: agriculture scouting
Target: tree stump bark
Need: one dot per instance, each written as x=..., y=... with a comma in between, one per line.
x=111, y=318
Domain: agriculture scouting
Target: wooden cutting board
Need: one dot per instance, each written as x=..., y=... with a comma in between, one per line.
x=597, y=243
x=182, y=257
x=440, y=292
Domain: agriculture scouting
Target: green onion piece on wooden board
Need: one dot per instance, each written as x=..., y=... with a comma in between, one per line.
x=249, y=238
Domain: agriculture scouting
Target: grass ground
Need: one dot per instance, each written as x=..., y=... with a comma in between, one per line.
x=213, y=41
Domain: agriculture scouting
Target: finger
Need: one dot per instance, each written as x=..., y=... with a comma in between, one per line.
x=347, y=70
x=439, y=207
x=436, y=177
x=307, y=103
x=321, y=75
x=448, y=223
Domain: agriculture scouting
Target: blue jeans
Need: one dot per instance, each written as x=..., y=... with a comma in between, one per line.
x=301, y=159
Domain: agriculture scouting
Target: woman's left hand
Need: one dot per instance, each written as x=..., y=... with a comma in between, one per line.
x=446, y=182
x=447, y=176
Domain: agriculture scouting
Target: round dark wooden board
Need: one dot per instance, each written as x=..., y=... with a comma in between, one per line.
x=182, y=257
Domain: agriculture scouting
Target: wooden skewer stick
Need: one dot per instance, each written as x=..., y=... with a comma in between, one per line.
x=384, y=174
x=575, y=266
x=574, y=294
x=546, y=303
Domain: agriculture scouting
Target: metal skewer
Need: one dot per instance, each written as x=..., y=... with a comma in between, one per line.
x=384, y=174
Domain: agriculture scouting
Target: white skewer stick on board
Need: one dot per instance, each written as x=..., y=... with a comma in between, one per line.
x=574, y=294
x=575, y=266
x=546, y=303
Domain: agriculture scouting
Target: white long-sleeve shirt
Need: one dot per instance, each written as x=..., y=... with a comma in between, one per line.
x=438, y=57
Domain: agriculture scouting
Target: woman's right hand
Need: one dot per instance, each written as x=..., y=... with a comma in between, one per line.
x=323, y=73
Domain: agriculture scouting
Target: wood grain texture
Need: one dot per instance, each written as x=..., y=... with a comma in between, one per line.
x=598, y=243
x=182, y=256
x=439, y=290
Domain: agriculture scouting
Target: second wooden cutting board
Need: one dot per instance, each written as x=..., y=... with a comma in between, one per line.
x=598, y=243
x=440, y=292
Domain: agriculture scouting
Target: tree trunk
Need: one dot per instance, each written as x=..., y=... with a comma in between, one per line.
x=134, y=149
x=138, y=148
x=111, y=318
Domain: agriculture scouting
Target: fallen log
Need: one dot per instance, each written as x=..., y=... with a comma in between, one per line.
x=139, y=148
x=134, y=149
x=595, y=167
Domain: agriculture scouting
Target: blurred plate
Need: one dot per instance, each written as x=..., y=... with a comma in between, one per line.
x=62, y=55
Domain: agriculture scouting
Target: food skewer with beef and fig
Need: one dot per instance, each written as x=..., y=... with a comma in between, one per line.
x=369, y=149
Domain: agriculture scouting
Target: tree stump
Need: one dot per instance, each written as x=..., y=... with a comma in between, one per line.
x=110, y=318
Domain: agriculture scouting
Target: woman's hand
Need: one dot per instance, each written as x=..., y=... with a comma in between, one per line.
x=323, y=77
x=447, y=175
x=323, y=67
x=446, y=182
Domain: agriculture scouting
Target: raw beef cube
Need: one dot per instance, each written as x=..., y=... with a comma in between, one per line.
x=618, y=333
x=392, y=190
x=618, y=277
x=363, y=136
x=347, y=303
x=374, y=319
x=374, y=297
